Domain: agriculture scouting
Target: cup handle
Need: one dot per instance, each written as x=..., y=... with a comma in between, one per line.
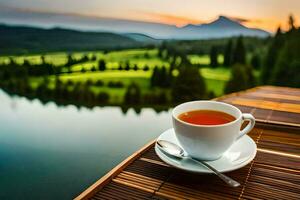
x=250, y=125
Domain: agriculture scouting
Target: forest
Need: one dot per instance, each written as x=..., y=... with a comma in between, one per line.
x=158, y=75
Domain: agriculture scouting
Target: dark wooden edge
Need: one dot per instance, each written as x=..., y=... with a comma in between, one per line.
x=278, y=127
x=278, y=87
x=93, y=189
x=278, y=123
x=252, y=89
x=235, y=93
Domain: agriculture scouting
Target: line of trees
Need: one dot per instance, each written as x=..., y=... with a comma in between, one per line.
x=214, y=57
x=128, y=67
x=12, y=69
x=134, y=96
x=282, y=63
x=281, y=66
x=235, y=57
x=234, y=53
x=187, y=85
x=62, y=93
x=72, y=61
x=15, y=70
x=242, y=76
x=161, y=77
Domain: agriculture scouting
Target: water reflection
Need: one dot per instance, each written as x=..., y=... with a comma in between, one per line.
x=54, y=152
x=124, y=107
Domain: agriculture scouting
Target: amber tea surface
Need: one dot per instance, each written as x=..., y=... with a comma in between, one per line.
x=206, y=117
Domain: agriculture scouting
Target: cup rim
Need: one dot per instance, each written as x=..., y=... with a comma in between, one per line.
x=208, y=126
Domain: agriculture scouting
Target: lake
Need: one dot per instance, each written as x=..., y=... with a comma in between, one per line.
x=52, y=152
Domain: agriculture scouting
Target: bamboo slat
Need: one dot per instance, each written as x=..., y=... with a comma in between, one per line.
x=273, y=174
x=269, y=104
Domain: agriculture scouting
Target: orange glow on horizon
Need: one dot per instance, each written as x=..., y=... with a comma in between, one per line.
x=264, y=14
x=266, y=23
x=270, y=25
x=169, y=19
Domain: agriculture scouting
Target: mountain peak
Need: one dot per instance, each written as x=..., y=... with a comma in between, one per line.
x=222, y=27
x=224, y=21
x=221, y=22
x=222, y=17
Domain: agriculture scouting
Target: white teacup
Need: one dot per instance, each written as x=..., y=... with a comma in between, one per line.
x=209, y=142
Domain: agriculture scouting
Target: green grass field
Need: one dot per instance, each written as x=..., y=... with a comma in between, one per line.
x=215, y=78
x=203, y=59
x=139, y=57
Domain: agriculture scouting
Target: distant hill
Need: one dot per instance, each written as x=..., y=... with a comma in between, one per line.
x=20, y=39
x=142, y=38
x=221, y=27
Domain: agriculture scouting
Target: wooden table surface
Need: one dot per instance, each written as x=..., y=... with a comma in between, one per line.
x=273, y=174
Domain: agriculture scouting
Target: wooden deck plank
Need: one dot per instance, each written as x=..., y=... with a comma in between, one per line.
x=269, y=108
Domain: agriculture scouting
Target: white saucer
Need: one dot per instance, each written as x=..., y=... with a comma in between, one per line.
x=237, y=156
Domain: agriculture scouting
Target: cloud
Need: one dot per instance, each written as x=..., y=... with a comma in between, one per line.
x=170, y=19
x=245, y=20
x=43, y=13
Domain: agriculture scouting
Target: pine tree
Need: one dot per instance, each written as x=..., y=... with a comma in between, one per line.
x=93, y=57
x=272, y=55
x=120, y=68
x=239, y=54
x=188, y=85
x=127, y=66
x=291, y=22
x=70, y=60
x=146, y=68
x=154, y=77
x=83, y=70
x=241, y=78
x=93, y=69
x=146, y=55
x=43, y=60
x=163, y=77
x=84, y=58
x=26, y=63
x=213, y=56
x=255, y=61
x=228, y=54
x=170, y=73
x=159, y=53
x=103, y=97
x=133, y=94
x=101, y=65
x=161, y=49
x=287, y=67
x=50, y=68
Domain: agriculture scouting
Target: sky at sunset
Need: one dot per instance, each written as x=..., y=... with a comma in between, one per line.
x=266, y=14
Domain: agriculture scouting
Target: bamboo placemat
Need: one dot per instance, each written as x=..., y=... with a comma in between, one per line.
x=269, y=104
x=273, y=174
